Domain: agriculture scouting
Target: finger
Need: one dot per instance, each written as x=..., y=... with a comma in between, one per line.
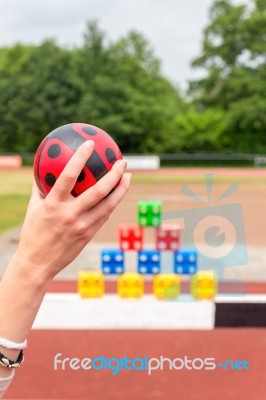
x=67, y=179
x=104, y=209
x=103, y=187
x=35, y=191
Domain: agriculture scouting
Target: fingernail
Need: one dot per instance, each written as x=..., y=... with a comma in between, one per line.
x=89, y=144
x=123, y=163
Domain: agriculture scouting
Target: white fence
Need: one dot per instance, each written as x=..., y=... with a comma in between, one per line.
x=142, y=162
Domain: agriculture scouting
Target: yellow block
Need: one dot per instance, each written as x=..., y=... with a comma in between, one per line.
x=204, y=285
x=130, y=285
x=166, y=286
x=90, y=284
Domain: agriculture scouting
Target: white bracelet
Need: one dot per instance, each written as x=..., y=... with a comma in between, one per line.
x=13, y=345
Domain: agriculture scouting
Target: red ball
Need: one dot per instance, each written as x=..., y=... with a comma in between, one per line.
x=58, y=147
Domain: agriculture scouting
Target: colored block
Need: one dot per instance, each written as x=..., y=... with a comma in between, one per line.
x=168, y=237
x=185, y=262
x=204, y=285
x=149, y=213
x=90, y=284
x=130, y=285
x=149, y=262
x=130, y=237
x=112, y=261
x=166, y=286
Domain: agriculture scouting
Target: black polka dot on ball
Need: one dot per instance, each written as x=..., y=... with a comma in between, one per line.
x=89, y=130
x=54, y=151
x=110, y=155
x=81, y=176
x=50, y=179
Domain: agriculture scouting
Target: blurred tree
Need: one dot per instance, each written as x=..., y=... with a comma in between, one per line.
x=117, y=86
x=36, y=94
x=125, y=92
x=234, y=60
x=199, y=131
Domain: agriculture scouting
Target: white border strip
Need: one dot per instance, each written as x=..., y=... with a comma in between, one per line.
x=69, y=311
x=248, y=298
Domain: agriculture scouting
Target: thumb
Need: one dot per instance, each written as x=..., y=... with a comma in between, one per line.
x=36, y=194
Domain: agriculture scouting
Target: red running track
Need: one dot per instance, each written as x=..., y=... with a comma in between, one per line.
x=38, y=380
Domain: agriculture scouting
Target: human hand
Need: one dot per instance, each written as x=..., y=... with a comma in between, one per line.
x=58, y=227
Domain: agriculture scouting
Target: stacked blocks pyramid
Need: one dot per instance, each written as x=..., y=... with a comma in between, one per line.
x=131, y=284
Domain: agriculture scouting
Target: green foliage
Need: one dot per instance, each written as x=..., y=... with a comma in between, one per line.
x=117, y=86
x=200, y=131
x=233, y=58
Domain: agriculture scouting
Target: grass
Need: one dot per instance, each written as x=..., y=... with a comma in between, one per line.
x=15, y=190
x=12, y=210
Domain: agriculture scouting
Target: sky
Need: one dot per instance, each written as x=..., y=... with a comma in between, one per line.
x=173, y=27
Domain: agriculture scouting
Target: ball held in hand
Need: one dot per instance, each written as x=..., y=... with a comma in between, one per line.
x=58, y=147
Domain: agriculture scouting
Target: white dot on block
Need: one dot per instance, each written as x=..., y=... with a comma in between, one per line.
x=137, y=245
x=106, y=270
x=125, y=245
x=125, y=233
x=119, y=257
x=161, y=233
x=143, y=257
x=174, y=245
x=156, y=221
x=156, y=210
x=179, y=258
x=143, y=270
x=137, y=233
x=174, y=234
x=155, y=270
x=119, y=270
x=162, y=245
x=143, y=210
x=191, y=270
x=155, y=258
x=192, y=258
x=106, y=258
x=180, y=270
x=143, y=221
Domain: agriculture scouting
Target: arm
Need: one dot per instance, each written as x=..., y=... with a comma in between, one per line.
x=55, y=230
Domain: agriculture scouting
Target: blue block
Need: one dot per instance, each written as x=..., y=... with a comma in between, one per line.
x=112, y=261
x=149, y=262
x=185, y=262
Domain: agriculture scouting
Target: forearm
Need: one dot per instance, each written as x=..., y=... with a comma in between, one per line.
x=22, y=289
x=55, y=230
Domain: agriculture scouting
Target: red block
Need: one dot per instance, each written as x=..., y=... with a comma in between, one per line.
x=130, y=237
x=168, y=237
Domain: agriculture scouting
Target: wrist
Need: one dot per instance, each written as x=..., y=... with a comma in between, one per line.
x=22, y=288
x=36, y=275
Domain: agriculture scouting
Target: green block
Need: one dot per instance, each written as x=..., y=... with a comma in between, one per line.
x=149, y=213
